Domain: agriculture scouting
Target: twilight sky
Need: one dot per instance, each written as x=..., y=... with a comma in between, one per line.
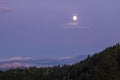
x=44, y=28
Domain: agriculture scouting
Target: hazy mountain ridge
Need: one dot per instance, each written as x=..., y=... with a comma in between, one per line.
x=18, y=62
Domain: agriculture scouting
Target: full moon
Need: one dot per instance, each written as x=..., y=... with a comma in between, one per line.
x=75, y=18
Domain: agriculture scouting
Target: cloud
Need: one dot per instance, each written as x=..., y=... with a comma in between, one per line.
x=75, y=25
x=16, y=59
x=5, y=9
x=20, y=58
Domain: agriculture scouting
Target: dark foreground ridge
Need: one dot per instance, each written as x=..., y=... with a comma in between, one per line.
x=104, y=65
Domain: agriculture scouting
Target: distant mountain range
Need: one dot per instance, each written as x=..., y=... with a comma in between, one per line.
x=20, y=62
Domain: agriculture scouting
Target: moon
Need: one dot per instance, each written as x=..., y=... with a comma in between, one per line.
x=75, y=18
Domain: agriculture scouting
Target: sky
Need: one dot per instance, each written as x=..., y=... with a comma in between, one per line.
x=45, y=28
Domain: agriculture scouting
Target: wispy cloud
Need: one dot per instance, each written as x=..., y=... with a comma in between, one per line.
x=16, y=59
x=75, y=24
x=20, y=58
x=5, y=9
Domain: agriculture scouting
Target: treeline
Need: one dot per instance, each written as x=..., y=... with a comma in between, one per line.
x=104, y=65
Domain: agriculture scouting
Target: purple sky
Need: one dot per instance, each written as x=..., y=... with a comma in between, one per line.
x=42, y=28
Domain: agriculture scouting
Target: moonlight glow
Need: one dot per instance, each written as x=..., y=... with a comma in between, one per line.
x=75, y=18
